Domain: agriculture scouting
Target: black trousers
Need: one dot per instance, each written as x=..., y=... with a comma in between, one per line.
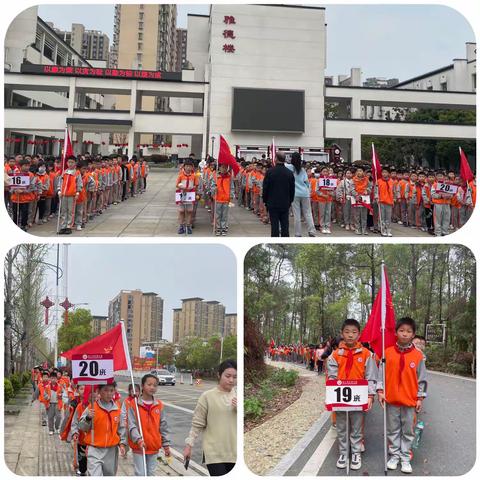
x=279, y=223
x=82, y=458
x=20, y=214
x=41, y=208
x=219, y=469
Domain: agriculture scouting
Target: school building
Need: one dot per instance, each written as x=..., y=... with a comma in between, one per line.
x=253, y=72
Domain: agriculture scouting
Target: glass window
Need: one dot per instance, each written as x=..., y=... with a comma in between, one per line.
x=140, y=25
x=140, y=36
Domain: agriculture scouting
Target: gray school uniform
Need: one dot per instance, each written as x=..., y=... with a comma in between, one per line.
x=134, y=435
x=361, y=213
x=441, y=215
x=357, y=419
x=68, y=203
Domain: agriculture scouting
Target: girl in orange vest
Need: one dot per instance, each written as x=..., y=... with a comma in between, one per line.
x=104, y=433
x=154, y=428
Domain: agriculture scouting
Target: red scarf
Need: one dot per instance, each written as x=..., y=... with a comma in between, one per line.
x=348, y=367
x=402, y=352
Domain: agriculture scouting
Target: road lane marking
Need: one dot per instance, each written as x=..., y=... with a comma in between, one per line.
x=315, y=462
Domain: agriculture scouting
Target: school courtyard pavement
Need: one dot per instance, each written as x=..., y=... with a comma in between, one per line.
x=447, y=448
x=154, y=214
x=31, y=451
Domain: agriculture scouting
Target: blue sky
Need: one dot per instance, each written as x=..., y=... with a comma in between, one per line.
x=391, y=41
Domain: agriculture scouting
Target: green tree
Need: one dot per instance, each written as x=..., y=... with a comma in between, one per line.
x=166, y=354
x=78, y=330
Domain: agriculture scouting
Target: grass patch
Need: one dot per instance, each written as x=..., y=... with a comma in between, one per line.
x=268, y=394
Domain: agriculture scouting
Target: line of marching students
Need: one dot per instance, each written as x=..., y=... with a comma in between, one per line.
x=403, y=393
x=86, y=187
x=408, y=197
x=99, y=426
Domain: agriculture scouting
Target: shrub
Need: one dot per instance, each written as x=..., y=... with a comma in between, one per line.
x=285, y=378
x=26, y=377
x=253, y=407
x=7, y=389
x=16, y=382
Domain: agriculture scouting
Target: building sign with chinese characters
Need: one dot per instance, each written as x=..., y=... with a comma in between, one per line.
x=229, y=34
x=93, y=72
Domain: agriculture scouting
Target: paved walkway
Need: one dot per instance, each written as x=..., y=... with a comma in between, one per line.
x=31, y=451
x=267, y=444
x=154, y=214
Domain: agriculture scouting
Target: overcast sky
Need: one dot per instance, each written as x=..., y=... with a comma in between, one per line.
x=98, y=272
x=394, y=41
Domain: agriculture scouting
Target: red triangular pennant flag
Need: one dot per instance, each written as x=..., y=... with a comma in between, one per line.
x=225, y=156
x=376, y=167
x=372, y=333
x=109, y=342
x=465, y=171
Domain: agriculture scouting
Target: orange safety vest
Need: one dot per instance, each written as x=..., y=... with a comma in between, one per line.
x=105, y=427
x=223, y=183
x=360, y=357
x=150, y=416
x=401, y=384
x=82, y=196
x=43, y=391
x=385, y=191
x=440, y=201
x=43, y=180
x=69, y=184
x=21, y=196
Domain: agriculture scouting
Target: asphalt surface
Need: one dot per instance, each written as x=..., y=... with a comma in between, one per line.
x=448, y=445
x=179, y=403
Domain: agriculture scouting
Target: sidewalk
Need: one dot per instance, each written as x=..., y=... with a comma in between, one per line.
x=266, y=444
x=31, y=451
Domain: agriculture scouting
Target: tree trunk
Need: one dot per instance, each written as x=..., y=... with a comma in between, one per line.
x=429, y=300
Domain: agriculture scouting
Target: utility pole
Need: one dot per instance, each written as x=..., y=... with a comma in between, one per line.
x=57, y=302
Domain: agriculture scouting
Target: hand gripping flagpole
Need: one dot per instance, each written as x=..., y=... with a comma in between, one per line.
x=129, y=366
x=383, y=318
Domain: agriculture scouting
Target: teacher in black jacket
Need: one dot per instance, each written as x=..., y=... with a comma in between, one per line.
x=278, y=195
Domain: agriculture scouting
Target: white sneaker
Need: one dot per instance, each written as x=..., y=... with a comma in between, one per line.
x=324, y=230
x=406, y=467
x=356, y=462
x=347, y=227
x=342, y=461
x=389, y=233
x=79, y=227
x=50, y=432
x=392, y=464
x=328, y=231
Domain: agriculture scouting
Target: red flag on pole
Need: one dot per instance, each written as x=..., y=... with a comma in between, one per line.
x=376, y=167
x=67, y=149
x=382, y=313
x=465, y=171
x=109, y=342
x=273, y=151
x=225, y=156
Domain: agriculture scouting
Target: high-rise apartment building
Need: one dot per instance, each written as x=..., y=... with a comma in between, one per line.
x=230, y=327
x=92, y=44
x=142, y=314
x=198, y=318
x=99, y=325
x=181, y=48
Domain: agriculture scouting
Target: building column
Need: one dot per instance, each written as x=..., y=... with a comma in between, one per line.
x=356, y=150
x=204, y=144
x=31, y=148
x=77, y=148
x=71, y=96
x=355, y=108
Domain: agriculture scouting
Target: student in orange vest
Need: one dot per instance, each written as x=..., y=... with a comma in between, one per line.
x=53, y=395
x=42, y=394
x=384, y=195
x=222, y=192
x=129, y=402
x=361, y=188
x=154, y=428
x=78, y=404
x=403, y=393
x=352, y=361
x=441, y=206
x=21, y=198
x=104, y=433
x=69, y=189
x=325, y=199
x=187, y=182
x=44, y=187
x=81, y=199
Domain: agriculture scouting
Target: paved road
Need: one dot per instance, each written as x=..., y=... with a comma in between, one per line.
x=180, y=402
x=448, y=444
x=154, y=214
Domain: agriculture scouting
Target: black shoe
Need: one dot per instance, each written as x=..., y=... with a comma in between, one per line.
x=68, y=231
x=62, y=231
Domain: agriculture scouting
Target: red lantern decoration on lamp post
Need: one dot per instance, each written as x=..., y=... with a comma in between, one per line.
x=66, y=306
x=47, y=303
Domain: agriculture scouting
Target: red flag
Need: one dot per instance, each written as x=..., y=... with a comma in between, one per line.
x=225, y=156
x=109, y=342
x=376, y=167
x=465, y=171
x=372, y=333
x=67, y=149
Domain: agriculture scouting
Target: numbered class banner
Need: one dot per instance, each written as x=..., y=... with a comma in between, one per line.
x=447, y=188
x=19, y=181
x=346, y=395
x=184, y=197
x=364, y=201
x=327, y=183
x=92, y=369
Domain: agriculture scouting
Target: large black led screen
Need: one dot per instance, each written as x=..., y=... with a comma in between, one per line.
x=266, y=110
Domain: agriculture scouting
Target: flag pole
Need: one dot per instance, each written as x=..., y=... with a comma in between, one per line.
x=129, y=366
x=374, y=165
x=215, y=194
x=383, y=318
